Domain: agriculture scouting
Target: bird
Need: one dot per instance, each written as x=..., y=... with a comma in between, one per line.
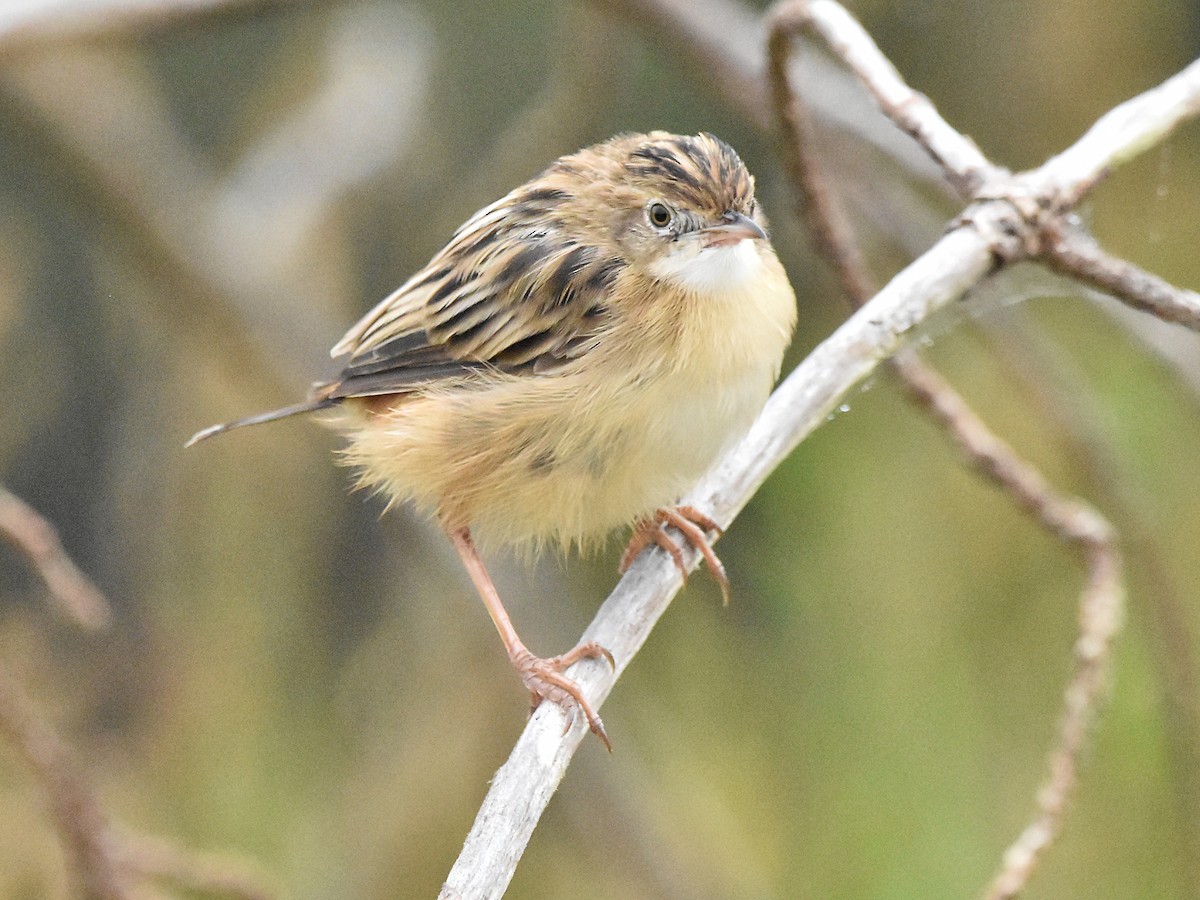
x=571, y=362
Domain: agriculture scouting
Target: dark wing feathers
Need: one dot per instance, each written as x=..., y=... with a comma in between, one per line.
x=503, y=295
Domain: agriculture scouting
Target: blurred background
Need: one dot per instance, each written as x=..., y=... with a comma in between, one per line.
x=194, y=207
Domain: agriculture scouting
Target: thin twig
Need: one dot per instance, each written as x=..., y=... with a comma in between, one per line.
x=1099, y=620
x=41, y=21
x=1100, y=606
x=106, y=863
x=822, y=214
x=72, y=591
x=78, y=817
x=1050, y=381
x=1122, y=133
x=961, y=161
x=1076, y=254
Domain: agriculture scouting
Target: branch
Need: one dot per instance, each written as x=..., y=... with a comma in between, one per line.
x=73, y=592
x=78, y=818
x=523, y=786
x=204, y=233
x=1078, y=255
x=105, y=863
x=1124, y=132
x=994, y=231
x=960, y=160
x=1100, y=606
x=52, y=20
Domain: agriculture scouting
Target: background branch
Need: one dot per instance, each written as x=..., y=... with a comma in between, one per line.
x=73, y=592
x=80, y=821
x=39, y=21
x=103, y=862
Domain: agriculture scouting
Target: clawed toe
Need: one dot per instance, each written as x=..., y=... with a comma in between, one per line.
x=544, y=679
x=692, y=524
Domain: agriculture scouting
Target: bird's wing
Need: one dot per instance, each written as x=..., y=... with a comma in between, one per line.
x=510, y=292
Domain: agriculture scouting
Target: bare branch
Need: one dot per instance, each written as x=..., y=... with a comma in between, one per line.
x=1118, y=136
x=1099, y=621
x=81, y=823
x=1075, y=253
x=73, y=592
x=103, y=862
x=523, y=786
x=43, y=20
x=1100, y=607
x=826, y=221
x=965, y=167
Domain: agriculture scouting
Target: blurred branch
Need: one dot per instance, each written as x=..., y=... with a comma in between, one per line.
x=997, y=229
x=913, y=113
x=81, y=823
x=37, y=21
x=210, y=873
x=720, y=39
x=82, y=105
x=1067, y=250
x=1077, y=254
x=105, y=864
x=578, y=90
x=72, y=591
x=1043, y=370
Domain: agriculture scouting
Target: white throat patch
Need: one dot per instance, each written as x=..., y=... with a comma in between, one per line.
x=709, y=270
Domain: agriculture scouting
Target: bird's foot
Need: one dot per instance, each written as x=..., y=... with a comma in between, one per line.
x=693, y=525
x=545, y=680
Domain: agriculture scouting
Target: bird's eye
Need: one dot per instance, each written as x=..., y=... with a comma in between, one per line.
x=659, y=215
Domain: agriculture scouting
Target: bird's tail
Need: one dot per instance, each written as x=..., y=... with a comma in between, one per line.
x=308, y=406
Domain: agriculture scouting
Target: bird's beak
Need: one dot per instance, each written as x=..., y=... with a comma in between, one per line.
x=732, y=228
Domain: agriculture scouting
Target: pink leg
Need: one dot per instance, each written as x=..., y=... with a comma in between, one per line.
x=543, y=677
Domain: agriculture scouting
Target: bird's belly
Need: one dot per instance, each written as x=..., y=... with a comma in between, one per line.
x=609, y=461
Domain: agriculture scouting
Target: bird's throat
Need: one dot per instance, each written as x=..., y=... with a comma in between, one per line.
x=719, y=270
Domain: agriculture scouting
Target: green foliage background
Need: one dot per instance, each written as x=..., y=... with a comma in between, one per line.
x=298, y=679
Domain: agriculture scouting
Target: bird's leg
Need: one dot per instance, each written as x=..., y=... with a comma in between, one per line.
x=543, y=677
x=692, y=524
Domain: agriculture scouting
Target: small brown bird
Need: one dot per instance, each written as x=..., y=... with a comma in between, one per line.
x=571, y=362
